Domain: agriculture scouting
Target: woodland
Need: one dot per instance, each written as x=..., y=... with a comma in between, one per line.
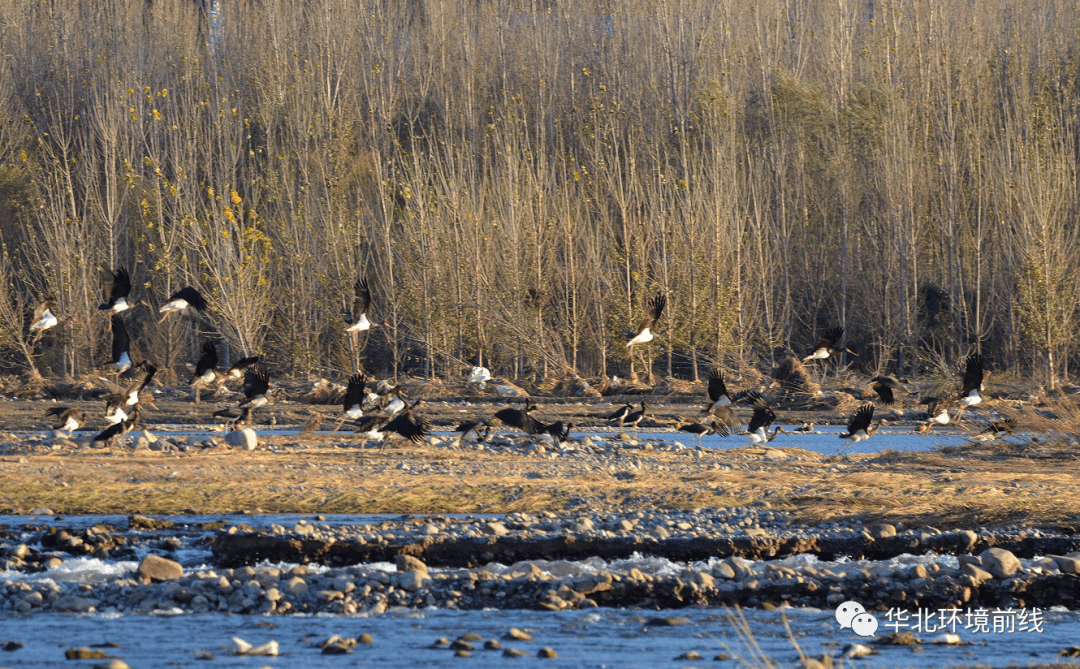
x=515, y=180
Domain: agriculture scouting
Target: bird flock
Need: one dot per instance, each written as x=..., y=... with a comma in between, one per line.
x=388, y=413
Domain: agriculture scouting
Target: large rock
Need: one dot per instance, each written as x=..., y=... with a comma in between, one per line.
x=1000, y=562
x=245, y=438
x=156, y=568
x=410, y=563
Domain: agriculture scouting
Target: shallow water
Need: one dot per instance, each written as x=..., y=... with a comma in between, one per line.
x=599, y=638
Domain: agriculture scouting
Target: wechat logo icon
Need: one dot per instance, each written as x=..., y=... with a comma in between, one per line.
x=853, y=616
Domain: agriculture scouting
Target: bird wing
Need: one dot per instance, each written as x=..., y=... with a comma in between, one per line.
x=56, y=411
x=717, y=387
x=973, y=373
x=861, y=419
x=193, y=297
x=41, y=308
x=243, y=363
x=621, y=411
x=355, y=392
x=412, y=428
x=120, y=339
x=208, y=360
x=110, y=432
x=829, y=339
x=256, y=382
x=656, y=305
x=144, y=372
x=368, y=422
x=361, y=298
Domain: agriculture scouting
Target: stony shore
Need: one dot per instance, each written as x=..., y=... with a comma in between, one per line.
x=543, y=561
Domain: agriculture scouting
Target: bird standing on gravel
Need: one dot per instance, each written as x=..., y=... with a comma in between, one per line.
x=520, y=418
x=700, y=430
x=117, y=430
x=473, y=429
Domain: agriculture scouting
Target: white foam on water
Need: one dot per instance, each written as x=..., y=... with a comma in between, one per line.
x=75, y=570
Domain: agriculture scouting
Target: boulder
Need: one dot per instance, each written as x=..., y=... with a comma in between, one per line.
x=245, y=438
x=1000, y=562
x=156, y=568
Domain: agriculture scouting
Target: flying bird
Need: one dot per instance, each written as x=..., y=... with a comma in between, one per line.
x=358, y=318
x=520, y=418
x=238, y=369
x=44, y=319
x=116, y=286
x=121, y=358
x=256, y=388
x=859, y=427
x=884, y=387
x=205, y=372
x=972, y=384
x=644, y=331
x=937, y=411
x=353, y=402
x=827, y=345
x=407, y=425
x=762, y=418
x=185, y=298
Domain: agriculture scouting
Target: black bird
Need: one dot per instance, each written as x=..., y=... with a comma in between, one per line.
x=407, y=425
x=635, y=417
x=972, y=384
x=858, y=428
x=256, y=388
x=352, y=403
x=235, y=416
x=116, y=286
x=68, y=419
x=121, y=358
x=473, y=429
x=718, y=393
x=117, y=430
x=520, y=418
x=884, y=387
x=371, y=427
x=358, y=318
x=700, y=430
x=557, y=432
x=185, y=298
x=205, y=372
x=760, y=421
x=827, y=345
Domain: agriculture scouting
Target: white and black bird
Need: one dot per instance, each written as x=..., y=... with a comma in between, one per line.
x=556, y=433
x=118, y=430
x=393, y=402
x=235, y=416
x=937, y=411
x=644, y=331
x=185, y=298
x=885, y=386
x=859, y=428
x=475, y=430
x=718, y=393
x=121, y=355
x=67, y=419
x=762, y=418
x=825, y=347
x=352, y=405
x=620, y=414
x=972, y=385
x=371, y=427
x=44, y=319
x=635, y=417
x=116, y=286
x=357, y=319
x=206, y=373
x=141, y=376
x=407, y=425
x=256, y=388
x=996, y=429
